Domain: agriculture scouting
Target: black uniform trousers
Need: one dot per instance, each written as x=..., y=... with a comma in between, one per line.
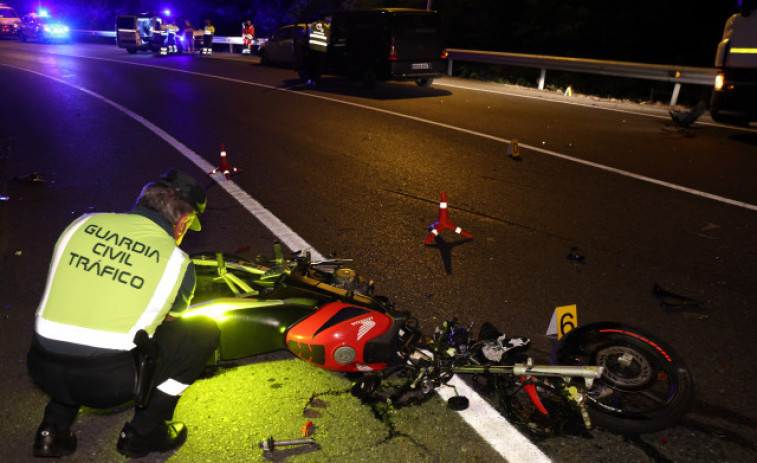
x=107, y=381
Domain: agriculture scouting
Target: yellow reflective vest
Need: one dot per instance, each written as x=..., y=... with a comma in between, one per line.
x=319, y=36
x=111, y=275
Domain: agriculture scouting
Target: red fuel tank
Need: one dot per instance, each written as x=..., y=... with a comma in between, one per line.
x=335, y=335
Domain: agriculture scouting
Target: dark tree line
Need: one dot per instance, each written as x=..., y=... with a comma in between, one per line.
x=650, y=31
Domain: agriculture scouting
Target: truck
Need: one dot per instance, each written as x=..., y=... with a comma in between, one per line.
x=734, y=97
x=382, y=44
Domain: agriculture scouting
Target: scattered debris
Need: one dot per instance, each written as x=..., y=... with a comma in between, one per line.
x=33, y=178
x=676, y=303
x=576, y=257
x=314, y=402
x=684, y=118
x=317, y=403
x=308, y=429
x=269, y=444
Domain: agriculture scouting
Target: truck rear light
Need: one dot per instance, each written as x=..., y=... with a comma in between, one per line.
x=445, y=55
x=392, y=52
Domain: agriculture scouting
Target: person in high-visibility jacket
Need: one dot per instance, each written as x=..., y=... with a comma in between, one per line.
x=248, y=35
x=108, y=328
x=160, y=37
x=318, y=40
x=207, y=39
x=172, y=30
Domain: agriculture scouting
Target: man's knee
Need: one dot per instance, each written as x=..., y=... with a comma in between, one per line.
x=202, y=330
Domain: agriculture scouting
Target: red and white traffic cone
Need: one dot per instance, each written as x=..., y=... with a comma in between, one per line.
x=444, y=223
x=225, y=167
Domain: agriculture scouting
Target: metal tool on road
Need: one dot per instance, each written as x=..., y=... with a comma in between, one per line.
x=269, y=444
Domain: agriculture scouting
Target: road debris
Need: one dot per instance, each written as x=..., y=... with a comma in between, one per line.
x=672, y=302
x=576, y=256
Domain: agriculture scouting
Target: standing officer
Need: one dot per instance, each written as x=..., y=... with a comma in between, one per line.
x=173, y=30
x=318, y=41
x=108, y=328
x=207, y=43
x=160, y=37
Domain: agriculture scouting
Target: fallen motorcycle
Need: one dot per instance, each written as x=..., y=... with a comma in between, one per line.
x=611, y=375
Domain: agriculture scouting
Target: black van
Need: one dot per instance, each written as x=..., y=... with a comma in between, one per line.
x=386, y=44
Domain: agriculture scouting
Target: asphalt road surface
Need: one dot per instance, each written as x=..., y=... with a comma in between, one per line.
x=606, y=201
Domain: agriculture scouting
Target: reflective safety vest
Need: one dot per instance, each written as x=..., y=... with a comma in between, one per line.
x=319, y=36
x=111, y=275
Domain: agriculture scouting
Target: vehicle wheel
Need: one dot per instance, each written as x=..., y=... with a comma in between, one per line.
x=730, y=120
x=645, y=387
x=264, y=58
x=21, y=37
x=369, y=79
x=424, y=82
x=131, y=50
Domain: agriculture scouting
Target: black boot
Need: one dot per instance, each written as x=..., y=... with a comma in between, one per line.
x=51, y=442
x=165, y=437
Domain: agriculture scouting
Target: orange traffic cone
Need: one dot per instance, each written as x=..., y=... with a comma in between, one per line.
x=444, y=223
x=224, y=167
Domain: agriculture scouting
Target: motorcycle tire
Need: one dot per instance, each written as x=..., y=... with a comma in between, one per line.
x=645, y=387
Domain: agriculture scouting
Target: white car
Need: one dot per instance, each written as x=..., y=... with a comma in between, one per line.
x=9, y=21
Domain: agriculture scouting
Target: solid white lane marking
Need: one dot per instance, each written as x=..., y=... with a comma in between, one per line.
x=565, y=157
x=492, y=426
x=286, y=235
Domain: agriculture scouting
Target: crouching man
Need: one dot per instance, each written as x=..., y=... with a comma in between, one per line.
x=108, y=329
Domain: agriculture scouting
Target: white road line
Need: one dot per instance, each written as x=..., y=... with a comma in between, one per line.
x=492, y=426
x=286, y=235
x=565, y=157
x=486, y=421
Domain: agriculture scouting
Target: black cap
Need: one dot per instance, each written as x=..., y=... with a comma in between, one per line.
x=188, y=189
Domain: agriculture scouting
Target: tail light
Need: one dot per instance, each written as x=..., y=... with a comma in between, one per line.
x=445, y=55
x=392, y=52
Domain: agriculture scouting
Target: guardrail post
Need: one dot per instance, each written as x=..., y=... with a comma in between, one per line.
x=676, y=91
x=449, y=67
x=542, y=76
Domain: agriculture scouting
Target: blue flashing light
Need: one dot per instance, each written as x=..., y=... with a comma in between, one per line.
x=43, y=13
x=167, y=12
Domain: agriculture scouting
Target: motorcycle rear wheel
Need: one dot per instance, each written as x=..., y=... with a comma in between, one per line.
x=645, y=387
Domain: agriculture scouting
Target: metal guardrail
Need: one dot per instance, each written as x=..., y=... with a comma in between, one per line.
x=230, y=41
x=675, y=74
